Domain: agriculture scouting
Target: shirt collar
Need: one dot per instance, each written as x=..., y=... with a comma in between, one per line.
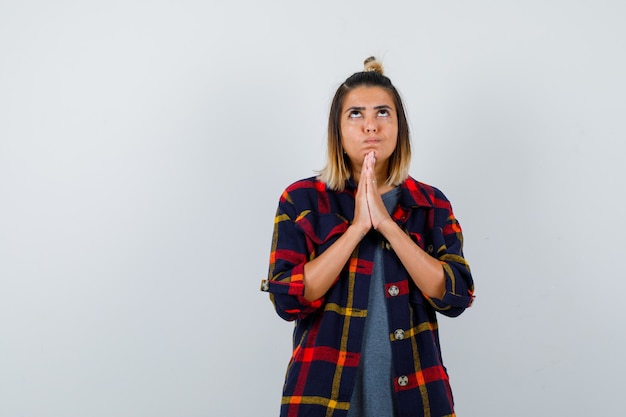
x=414, y=193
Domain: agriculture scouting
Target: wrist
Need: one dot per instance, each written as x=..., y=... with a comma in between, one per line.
x=359, y=230
x=380, y=223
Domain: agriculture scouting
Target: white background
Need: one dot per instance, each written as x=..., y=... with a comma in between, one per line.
x=144, y=145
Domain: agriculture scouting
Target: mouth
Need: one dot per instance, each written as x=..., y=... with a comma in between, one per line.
x=372, y=141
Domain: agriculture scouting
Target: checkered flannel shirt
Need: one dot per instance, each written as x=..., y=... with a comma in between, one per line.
x=328, y=332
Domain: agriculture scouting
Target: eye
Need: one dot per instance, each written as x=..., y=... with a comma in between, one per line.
x=354, y=114
x=383, y=113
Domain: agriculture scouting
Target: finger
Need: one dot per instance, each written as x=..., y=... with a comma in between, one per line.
x=364, y=167
x=371, y=175
x=367, y=171
x=368, y=160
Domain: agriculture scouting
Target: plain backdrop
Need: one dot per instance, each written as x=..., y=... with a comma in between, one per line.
x=144, y=145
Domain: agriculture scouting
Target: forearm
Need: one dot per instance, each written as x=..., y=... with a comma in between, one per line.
x=425, y=271
x=321, y=272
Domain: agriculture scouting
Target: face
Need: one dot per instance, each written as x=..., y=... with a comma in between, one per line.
x=369, y=122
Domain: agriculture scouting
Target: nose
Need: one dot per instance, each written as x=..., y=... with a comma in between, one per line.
x=371, y=126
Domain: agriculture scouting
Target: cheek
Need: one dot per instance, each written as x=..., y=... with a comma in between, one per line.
x=347, y=134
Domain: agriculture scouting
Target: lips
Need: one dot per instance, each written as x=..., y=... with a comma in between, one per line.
x=372, y=141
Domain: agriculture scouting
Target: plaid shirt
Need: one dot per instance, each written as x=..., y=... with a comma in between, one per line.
x=328, y=332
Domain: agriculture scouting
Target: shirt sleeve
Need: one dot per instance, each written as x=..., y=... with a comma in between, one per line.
x=290, y=251
x=447, y=246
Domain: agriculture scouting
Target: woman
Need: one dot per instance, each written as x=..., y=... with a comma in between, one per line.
x=362, y=257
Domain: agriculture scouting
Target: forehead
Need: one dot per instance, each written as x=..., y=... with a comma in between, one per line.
x=368, y=97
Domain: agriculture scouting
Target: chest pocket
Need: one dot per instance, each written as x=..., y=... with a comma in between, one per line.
x=431, y=241
x=435, y=243
x=321, y=230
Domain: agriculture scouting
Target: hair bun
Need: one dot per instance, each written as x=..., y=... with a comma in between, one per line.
x=372, y=64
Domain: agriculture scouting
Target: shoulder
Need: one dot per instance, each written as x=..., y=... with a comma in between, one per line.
x=305, y=184
x=312, y=194
x=424, y=194
x=303, y=191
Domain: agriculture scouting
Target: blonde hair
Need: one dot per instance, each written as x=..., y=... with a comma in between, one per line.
x=338, y=169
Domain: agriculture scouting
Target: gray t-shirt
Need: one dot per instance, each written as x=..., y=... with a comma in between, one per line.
x=373, y=391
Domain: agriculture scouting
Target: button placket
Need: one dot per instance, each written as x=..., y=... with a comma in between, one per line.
x=393, y=290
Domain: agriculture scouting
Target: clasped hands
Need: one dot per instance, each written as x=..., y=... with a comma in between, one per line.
x=370, y=211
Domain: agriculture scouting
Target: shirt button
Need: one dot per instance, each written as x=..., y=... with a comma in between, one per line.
x=399, y=334
x=429, y=249
x=393, y=290
x=387, y=245
x=403, y=381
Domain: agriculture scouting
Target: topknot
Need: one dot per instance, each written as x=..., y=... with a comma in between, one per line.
x=372, y=64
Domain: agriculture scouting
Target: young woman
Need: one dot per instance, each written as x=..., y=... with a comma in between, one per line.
x=362, y=257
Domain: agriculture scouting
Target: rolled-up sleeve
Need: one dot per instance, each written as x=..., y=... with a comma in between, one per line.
x=290, y=251
x=447, y=241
